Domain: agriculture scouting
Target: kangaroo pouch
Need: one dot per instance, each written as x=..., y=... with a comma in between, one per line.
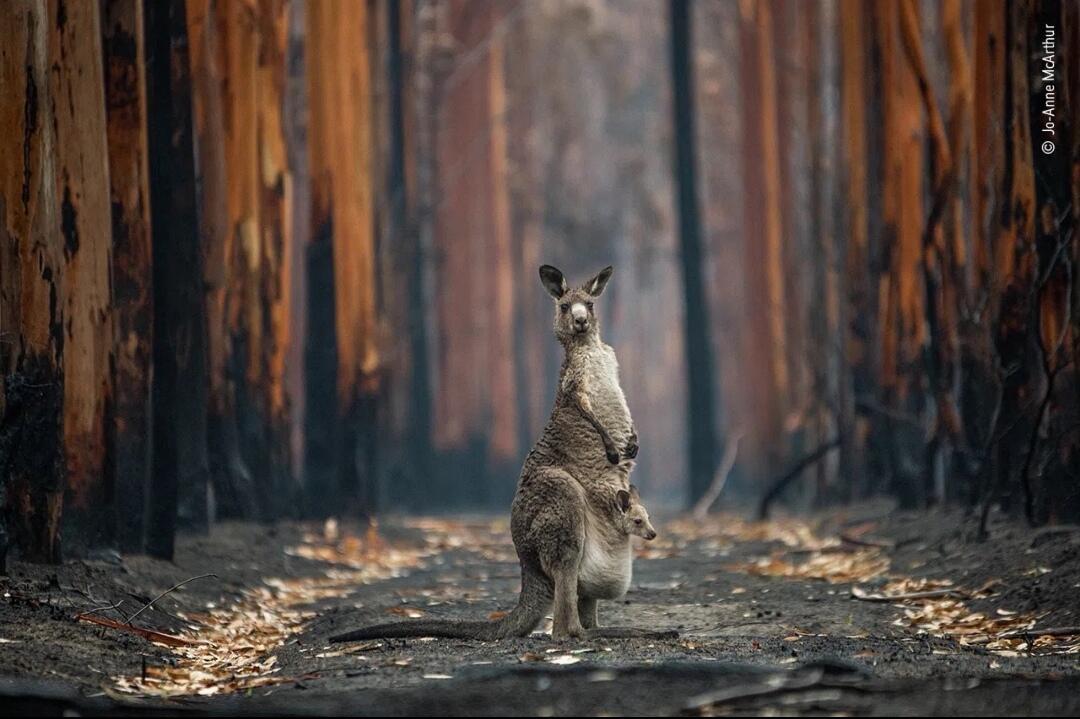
x=606, y=564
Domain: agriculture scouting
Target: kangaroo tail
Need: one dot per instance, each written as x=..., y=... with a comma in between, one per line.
x=532, y=604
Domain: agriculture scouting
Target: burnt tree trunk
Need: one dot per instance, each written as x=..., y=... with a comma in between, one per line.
x=701, y=414
x=133, y=309
x=31, y=314
x=234, y=487
x=767, y=378
x=181, y=469
x=82, y=189
x=342, y=364
x=275, y=279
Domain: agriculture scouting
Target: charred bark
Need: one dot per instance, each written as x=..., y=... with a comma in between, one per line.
x=132, y=273
x=180, y=482
x=701, y=413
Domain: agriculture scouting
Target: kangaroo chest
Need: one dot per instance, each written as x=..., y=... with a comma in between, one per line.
x=600, y=371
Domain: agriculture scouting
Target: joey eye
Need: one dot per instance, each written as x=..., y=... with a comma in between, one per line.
x=565, y=307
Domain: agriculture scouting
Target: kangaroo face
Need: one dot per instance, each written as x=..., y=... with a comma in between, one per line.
x=575, y=317
x=634, y=516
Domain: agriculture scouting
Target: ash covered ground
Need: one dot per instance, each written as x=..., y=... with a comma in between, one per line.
x=767, y=621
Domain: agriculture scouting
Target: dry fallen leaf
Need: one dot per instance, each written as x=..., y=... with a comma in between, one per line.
x=564, y=659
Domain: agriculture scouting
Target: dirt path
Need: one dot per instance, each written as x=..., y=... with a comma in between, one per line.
x=765, y=612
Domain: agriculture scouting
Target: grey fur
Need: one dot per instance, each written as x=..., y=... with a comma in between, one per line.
x=575, y=509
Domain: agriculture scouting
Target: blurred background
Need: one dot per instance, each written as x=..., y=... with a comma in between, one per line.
x=277, y=258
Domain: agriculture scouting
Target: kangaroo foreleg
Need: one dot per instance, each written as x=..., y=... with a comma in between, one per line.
x=584, y=407
x=631, y=445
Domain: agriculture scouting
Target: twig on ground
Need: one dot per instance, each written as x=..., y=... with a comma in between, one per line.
x=720, y=478
x=106, y=608
x=148, y=634
x=1048, y=632
x=170, y=589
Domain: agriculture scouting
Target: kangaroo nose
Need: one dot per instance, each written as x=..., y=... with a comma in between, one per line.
x=650, y=536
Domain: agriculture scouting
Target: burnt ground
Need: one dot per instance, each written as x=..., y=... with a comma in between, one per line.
x=748, y=643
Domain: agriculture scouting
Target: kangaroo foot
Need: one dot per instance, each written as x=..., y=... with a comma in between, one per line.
x=569, y=632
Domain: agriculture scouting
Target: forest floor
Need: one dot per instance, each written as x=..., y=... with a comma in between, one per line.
x=767, y=615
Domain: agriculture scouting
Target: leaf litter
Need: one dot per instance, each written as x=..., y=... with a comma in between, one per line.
x=230, y=649
x=941, y=611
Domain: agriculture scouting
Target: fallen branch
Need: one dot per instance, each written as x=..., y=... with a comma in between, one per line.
x=781, y=484
x=860, y=542
x=863, y=595
x=147, y=634
x=1048, y=632
x=170, y=589
x=720, y=479
x=1043, y=533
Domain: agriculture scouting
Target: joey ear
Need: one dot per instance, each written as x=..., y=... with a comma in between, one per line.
x=634, y=494
x=596, y=285
x=623, y=498
x=553, y=281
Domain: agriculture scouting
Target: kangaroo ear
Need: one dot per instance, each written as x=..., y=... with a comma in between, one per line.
x=597, y=284
x=553, y=281
x=623, y=498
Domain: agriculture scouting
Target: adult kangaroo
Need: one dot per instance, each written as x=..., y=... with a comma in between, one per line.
x=574, y=508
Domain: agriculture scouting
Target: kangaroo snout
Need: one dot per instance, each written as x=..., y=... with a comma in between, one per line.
x=580, y=316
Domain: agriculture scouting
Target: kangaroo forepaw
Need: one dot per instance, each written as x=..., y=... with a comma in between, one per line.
x=612, y=455
x=631, y=449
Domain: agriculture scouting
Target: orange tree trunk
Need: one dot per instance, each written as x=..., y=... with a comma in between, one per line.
x=767, y=378
x=82, y=189
x=901, y=308
x=232, y=479
x=56, y=280
x=274, y=287
x=31, y=315
x=132, y=298
x=858, y=338
x=342, y=365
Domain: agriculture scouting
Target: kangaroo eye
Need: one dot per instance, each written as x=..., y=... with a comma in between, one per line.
x=589, y=305
x=564, y=307
x=637, y=521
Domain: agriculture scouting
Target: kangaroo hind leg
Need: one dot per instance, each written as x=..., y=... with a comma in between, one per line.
x=586, y=609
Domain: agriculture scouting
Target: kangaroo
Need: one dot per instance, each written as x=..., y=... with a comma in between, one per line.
x=574, y=508
x=631, y=518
